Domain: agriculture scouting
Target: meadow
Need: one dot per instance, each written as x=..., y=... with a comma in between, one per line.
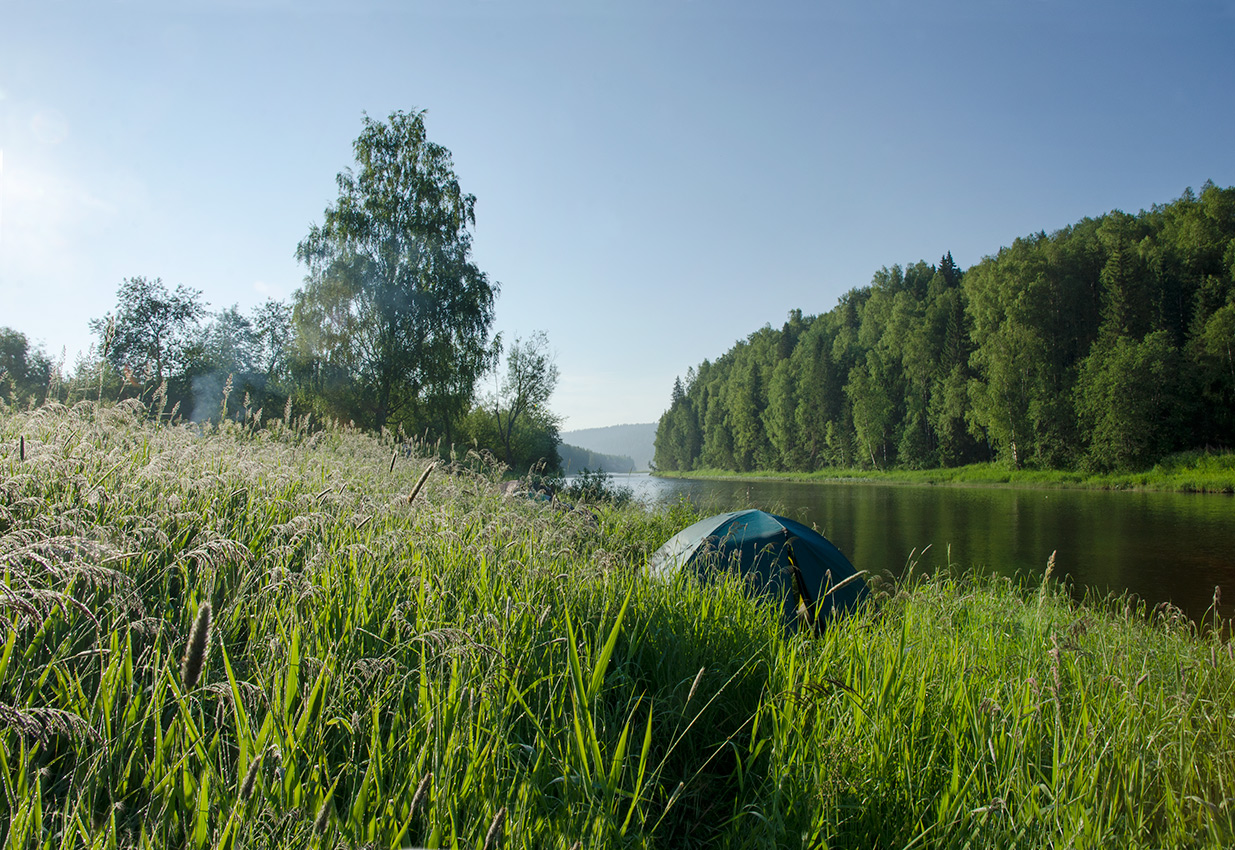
x=266, y=634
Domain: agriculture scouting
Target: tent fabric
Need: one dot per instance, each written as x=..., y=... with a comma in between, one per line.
x=764, y=548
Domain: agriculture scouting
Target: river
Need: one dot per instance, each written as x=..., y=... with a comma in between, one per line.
x=1162, y=547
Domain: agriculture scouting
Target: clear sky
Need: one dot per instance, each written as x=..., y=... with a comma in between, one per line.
x=655, y=179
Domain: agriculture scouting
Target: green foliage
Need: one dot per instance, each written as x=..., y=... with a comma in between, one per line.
x=166, y=345
x=392, y=324
x=1016, y=358
x=872, y=407
x=522, y=399
x=1213, y=349
x=594, y=485
x=678, y=436
x=25, y=371
x=1004, y=398
x=149, y=337
x=389, y=673
x=250, y=351
x=1130, y=400
x=533, y=444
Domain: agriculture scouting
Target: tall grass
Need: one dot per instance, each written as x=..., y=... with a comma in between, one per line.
x=233, y=636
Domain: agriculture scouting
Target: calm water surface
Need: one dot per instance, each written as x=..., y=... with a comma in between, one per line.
x=1163, y=547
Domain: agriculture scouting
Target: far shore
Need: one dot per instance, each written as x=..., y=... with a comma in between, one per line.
x=1191, y=472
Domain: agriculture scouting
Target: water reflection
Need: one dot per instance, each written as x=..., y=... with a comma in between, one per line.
x=1163, y=547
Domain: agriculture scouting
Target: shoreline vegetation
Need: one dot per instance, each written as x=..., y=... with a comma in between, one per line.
x=231, y=634
x=1186, y=472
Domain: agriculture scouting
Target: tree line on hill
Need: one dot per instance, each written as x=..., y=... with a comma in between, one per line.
x=576, y=459
x=391, y=329
x=633, y=441
x=1105, y=345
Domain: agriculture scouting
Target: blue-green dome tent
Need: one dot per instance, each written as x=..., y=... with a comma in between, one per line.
x=781, y=558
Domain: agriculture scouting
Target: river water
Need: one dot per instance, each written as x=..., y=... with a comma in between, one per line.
x=1162, y=547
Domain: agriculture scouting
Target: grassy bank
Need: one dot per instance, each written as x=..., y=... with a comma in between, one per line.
x=1186, y=472
x=468, y=670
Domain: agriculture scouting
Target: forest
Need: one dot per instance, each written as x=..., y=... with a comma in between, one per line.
x=1105, y=345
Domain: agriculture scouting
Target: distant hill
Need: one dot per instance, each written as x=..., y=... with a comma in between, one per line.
x=575, y=459
x=635, y=441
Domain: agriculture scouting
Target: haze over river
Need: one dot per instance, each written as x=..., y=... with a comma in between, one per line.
x=1162, y=547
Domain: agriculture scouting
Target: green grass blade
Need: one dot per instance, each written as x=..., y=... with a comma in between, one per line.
x=606, y=652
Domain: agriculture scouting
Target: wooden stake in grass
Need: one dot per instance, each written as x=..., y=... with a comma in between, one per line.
x=195, y=652
x=424, y=476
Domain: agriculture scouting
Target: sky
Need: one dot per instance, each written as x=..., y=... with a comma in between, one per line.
x=655, y=179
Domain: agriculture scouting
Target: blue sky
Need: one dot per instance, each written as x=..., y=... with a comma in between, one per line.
x=654, y=180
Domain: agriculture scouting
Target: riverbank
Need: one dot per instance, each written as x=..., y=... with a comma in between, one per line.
x=460, y=667
x=1187, y=472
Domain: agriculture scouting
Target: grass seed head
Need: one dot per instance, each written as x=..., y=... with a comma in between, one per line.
x=250, y=777
x=227, y=391
x=422, y=791
x=424, y=476
x=195, y=653
x=41, y=723
x=323, y=817
x=494, y=836
x=695, y=685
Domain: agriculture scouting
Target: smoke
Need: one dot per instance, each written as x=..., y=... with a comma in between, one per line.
x=207, y=396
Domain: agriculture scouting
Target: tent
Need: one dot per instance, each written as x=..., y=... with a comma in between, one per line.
x=781, y=558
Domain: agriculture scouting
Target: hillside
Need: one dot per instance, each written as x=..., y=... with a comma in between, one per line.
x=634, y=441
x=575, y=459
